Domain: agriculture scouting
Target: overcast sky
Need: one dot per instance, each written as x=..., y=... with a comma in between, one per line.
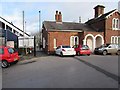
x=71, y=11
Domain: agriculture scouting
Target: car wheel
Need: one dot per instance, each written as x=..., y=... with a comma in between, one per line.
x=78, y=53
x=5, y=64
x=16, y=62
x=61, y=54
x=105, y=52
x=88, y=54
x=118, y=52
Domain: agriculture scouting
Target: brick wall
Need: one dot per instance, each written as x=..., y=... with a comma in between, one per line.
x=108, y=28
x=62, y=38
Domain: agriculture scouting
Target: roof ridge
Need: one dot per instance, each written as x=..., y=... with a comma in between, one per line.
x=101, y=17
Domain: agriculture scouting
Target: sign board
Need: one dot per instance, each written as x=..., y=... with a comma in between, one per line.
x=2, y=41
x=26, y=42
x=10, y=44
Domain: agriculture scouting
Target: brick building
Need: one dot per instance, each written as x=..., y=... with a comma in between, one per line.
x=103, y=28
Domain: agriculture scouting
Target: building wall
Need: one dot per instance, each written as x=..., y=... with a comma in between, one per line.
x=100, y=25
x=108, y=28
x=93, y=33
x=7, y=25
x=45, y=36
x=62, y=38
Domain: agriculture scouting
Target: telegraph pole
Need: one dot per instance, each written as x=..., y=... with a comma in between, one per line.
x=23, y=25
x=39, y=30
x=23, y=33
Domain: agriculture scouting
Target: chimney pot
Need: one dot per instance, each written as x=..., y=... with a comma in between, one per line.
x=56, y=12
x=56, y=16
x=59, y=12
x=59, y=17
x=99, y=9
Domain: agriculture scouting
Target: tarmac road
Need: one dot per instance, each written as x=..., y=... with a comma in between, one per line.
x=63, y=72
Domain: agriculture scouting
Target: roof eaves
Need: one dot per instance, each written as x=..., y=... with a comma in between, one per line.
x=115, y=10
x=13, y=25
x=66, y=30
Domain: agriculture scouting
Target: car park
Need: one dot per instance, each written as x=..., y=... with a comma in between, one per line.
x=8, y=55
x=108, y=49
x=82, y=50
x=64, y=50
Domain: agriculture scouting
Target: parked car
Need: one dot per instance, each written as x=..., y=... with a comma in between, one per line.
x=108, y=49
x=8, y=55
x=64, y=50
x=82, y=50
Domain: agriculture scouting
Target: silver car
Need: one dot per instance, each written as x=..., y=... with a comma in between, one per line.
x=108, y=49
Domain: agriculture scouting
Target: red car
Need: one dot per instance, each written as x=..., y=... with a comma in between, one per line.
x=8, y=55
x=82, y=50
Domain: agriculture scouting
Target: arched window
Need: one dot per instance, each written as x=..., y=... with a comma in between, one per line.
x=117, y=23
x=113, y=23
x=112, y=39
x=55, y=43
x=74, y=40
x=116, y=39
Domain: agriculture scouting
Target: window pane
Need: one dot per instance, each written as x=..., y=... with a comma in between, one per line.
x=54, y=42
x=113, y=23
x=116, y=40
x=117, y=23
x=10, y=50
x=72, y=40
x=112, y=39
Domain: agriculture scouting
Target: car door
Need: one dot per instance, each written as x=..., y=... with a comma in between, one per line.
x=111, y=49
x=12, y=53
x=1, y=53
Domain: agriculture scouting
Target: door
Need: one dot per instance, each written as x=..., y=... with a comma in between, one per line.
x=112, y=49
x=13, y=54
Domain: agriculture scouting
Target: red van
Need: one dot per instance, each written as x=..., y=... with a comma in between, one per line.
x=82, y=50
x=8, y=55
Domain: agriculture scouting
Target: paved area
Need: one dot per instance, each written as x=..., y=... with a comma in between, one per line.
x=108, y=63
x=62, y=72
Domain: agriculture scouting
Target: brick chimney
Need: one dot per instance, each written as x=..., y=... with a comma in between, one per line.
x=58, y=17
x=99, y=10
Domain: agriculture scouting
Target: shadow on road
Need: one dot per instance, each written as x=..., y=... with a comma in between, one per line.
x=108, y=74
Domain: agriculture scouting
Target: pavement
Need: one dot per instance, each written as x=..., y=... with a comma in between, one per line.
x=31, y=58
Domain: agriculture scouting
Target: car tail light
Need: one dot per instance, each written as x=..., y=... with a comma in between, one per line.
x=63, y=49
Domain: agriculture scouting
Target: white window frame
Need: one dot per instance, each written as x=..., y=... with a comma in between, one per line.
x=112, y=39
x=115, y=24
x=43, y=42
x=55, y=43
x=115, y=39
x=73, y=42
x=118, y=40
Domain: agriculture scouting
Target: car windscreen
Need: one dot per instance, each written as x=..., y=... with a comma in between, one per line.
x=85, y=47
x=66, y=47
x=104, y=45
